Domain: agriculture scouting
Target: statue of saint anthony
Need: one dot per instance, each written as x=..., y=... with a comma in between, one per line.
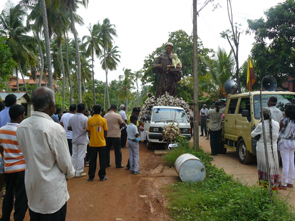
x=168, y=74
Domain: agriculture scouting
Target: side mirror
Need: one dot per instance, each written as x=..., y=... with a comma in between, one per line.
x=245, y=113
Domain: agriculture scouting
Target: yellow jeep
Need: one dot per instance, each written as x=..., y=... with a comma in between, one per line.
x=242, y=114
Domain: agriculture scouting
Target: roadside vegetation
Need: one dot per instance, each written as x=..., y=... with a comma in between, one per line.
x=219, y=197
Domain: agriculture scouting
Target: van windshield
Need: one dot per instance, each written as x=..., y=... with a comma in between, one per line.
x=282, y=100
x=169, y=115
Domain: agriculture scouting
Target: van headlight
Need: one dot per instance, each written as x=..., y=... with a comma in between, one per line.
x=185, y=130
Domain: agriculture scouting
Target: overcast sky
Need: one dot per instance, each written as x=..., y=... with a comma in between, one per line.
x=142, y=26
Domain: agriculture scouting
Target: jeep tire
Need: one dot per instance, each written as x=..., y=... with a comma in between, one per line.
x=245, y=157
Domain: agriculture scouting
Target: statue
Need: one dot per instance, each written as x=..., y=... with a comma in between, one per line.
x=168, y=68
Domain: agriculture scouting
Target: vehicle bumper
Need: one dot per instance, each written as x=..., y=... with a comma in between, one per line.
x=158, y=138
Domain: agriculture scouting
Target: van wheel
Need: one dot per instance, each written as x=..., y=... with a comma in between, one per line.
x=245, y=157
x=148, y=145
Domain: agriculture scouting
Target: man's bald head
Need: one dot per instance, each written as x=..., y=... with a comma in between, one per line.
x=43, y=98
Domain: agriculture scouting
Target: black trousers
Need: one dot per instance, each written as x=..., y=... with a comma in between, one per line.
x=116, y=142
x=123, y=137
x=204, y=125
x=70, y=146
x=15, y=187
x=93, y=161
x=60, y=215
x=215, y=137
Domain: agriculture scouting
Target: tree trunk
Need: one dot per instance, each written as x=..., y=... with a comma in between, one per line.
x=47, y=43
x=78, y=56
x=68, y=69
x=41, y=58
x=21, y=72
x=94, y=100
x=64, y=77
x=109, y=104
x=17, y=85
x=137, y=92
x=104, y=97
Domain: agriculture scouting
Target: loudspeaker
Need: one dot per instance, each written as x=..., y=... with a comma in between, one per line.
x=269, y=83
x=230, y=87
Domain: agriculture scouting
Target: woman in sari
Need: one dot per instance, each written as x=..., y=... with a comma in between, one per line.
x=272, y=133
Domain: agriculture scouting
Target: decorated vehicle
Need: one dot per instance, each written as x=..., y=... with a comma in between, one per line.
x=163, y=116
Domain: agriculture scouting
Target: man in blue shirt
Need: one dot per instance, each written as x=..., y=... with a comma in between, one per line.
x=10, y=100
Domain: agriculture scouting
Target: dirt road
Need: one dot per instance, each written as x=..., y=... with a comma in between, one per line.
x=140, y=197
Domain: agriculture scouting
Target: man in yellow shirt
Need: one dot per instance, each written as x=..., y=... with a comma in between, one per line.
x=98, y=129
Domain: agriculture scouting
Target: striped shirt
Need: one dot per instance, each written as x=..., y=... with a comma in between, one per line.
x=14, y=160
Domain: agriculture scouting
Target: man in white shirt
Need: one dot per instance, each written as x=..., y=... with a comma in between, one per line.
x=44, y=146
x=78, y=124
x=64, y=121
x=276, y=114
x=204, y=114
x=123, y=128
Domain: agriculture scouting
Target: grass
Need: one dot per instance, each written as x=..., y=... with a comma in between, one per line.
x=219, y=197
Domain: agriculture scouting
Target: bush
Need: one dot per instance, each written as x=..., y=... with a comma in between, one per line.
x=219, y=197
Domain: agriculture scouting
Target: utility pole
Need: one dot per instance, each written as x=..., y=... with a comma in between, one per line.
x=195, y=77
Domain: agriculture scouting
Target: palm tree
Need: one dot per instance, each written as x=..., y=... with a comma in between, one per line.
x=110, y=61
x=71, y=6
x=126, y=82
x=220, y=70
x=106, y=33
x=137, y=76
x=92, y=47
x=19, y=43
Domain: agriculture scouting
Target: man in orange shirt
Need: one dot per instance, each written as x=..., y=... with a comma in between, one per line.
x=14, y=166
x=98, y=129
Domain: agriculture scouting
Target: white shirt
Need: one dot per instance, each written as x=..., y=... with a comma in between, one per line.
x=204, y=112
x=275, y=133
x=65, y=120
x=215, y=119
x=78, y=123
x=276, y=114
x=132, y=131
x=124, y=118
x=45, y=148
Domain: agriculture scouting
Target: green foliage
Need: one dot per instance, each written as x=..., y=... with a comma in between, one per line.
x=6, y=62
x=219, y=197
x=273, y=50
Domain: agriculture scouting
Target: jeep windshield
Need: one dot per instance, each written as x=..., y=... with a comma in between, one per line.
x=169, y=115
x=282, y=100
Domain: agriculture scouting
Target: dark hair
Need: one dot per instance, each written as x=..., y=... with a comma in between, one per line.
x=273, y=100
x=96, y=109
x=42, y=98
x=2, y=106
x=15, y=111
x=114, y=107
x=73, y=107
x=290, y=111
x=217, y=106
x=58, y=110
x=10, y=100
x=132, y=118
x=135, y=109
x=81, y=107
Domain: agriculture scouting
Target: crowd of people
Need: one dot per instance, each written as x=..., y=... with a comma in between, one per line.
x=39, y=154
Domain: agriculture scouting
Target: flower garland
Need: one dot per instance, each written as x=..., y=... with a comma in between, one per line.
x=171, y=132
x=164, y=100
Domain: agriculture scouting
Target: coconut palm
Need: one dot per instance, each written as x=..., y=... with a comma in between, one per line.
x=71, y=6
x=220, y=70
x=106, y=33
x=137, y=76
x=126, y=84
x=92, y=47
x=11, y=25
x=110, y=60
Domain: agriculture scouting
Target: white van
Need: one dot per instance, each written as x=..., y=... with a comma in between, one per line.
x=161, y=116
